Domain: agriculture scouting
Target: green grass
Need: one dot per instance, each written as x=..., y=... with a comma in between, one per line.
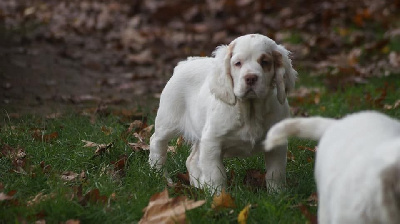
x=133, y=190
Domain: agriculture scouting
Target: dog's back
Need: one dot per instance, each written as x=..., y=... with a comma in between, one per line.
x=357, y=166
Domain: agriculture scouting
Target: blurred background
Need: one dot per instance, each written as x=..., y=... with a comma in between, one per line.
x=59, y=55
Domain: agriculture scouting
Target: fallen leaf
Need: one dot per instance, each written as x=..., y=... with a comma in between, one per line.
x=89, y=144
x=100, y=148
x=82, y=176
x=290, y=156
x=180, y=141
x=394, y=106
x=223, y=200
x=106, y=130
x=312, y=219
x=17, y=157
x=5, y=197
x=313, y=199
x=72, y=221
x=45, y=168
x=69, y=175
x=254, y=178
x=39, y=136
x=144, y=134
x=172, y=149
x=40, y=221
x=163, y=209
x=39, y=198
x=9, y=197
x=121, y=163
x=139, y=146
x=242, y=217
x=183, y=178
x=307, y=148
x=53, y=115
x=93, y=196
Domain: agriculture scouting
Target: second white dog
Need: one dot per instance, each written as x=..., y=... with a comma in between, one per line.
x=357, y=167
x=224, y=105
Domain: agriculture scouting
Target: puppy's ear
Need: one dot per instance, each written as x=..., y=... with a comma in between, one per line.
x=222, y=82
x=285, y=75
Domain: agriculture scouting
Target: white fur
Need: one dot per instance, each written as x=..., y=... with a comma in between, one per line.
x=208, y=101
x=357, y=166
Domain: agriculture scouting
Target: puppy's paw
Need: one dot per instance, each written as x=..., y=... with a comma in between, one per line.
x=156, y=161
x=274, y=186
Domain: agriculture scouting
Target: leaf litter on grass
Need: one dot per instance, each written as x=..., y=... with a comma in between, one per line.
x=163, y=209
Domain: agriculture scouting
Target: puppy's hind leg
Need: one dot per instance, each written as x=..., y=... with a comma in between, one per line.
x=158, y=149
x=159, y=146
x=192, y=164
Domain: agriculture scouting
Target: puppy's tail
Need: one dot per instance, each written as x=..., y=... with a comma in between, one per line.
x=310, y=128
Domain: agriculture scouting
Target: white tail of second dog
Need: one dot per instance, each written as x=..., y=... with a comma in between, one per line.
x=310, y=128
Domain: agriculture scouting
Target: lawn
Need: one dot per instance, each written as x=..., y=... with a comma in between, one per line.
x=47, y=173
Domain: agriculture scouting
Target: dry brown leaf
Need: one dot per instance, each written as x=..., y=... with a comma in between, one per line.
x=306, y=212
x=172, y=149
x=121, y=163
x=89, y=144
x=106, y=130
x=144, y=133
x=313, y=199
x=92, y=196
x=139, y=146
x=40, y=221
x=180, y=141
x=223, y=200
x=290, y=156
x=100, y=148
x=39, y=198
x=39, y=136
x=244, y=214
x=45, y=168
x=82, y=176
x=5, y=197
x=394, y=106
x=184, y=178
x=73, y=221
x=163, y=209
x=69, y=175
x=254, y=178
x=307, y=148
x=135, y=124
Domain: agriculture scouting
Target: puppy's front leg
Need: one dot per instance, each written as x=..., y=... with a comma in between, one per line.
x=275, y=164
x=213, y=174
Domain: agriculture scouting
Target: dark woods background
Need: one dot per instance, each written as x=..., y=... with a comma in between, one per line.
x=121, y=49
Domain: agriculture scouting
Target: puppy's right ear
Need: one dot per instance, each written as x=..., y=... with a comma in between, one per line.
x=222, y=82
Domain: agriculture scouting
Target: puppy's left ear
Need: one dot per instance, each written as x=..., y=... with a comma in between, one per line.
x=222, y=82
x=285, y=75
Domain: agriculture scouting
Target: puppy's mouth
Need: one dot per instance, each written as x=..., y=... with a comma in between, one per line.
x=250, y=93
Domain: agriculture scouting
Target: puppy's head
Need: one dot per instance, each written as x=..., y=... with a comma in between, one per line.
x=250, y=67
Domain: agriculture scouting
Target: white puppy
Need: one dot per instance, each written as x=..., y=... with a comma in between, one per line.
x=357, y=167
x=224, y=106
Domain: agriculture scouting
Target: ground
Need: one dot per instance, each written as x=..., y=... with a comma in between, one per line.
x=60, y=59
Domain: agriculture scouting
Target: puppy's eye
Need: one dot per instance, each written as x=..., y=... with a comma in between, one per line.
x=264, y=63
x=238, y=64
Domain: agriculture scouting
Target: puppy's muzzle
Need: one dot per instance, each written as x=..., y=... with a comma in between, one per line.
x=250, y=80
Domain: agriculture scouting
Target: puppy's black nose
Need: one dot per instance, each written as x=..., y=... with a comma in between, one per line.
x=250, y=79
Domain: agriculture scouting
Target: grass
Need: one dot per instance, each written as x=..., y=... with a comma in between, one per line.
x=128, y=194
